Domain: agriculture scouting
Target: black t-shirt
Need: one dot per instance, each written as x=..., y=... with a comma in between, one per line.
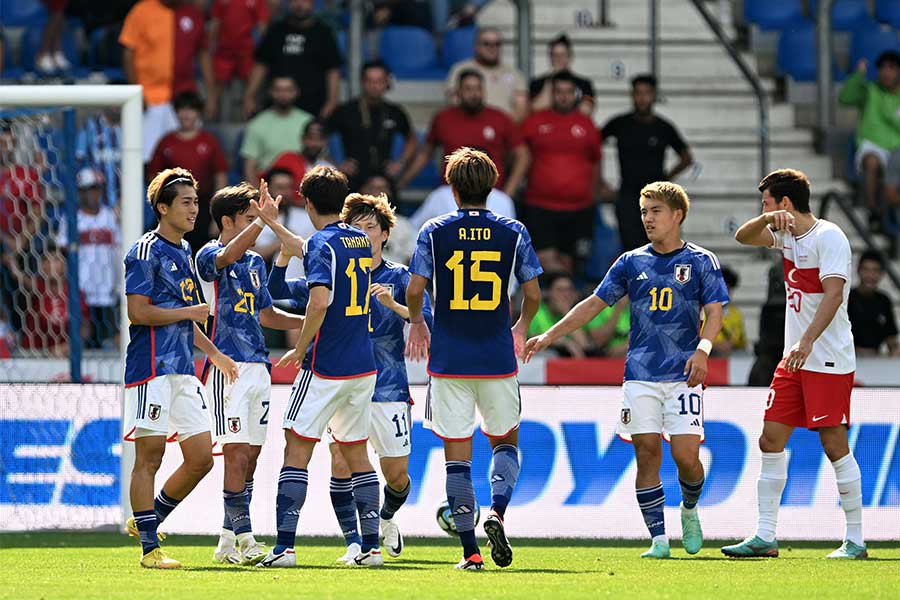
x=871, y=319
x=584, y=86
x=642, y=147
x=304, y=53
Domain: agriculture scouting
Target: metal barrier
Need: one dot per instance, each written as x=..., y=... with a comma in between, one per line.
x=825, y=112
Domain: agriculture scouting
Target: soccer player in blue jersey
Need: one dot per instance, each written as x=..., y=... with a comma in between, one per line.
x=337, y=377
x=234, y=279
x=669, y=283
x=391, y=422
x=163, y=396
x=470, y=256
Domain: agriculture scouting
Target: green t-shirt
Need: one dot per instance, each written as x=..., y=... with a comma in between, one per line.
x=269, y=134
x=879, y=118
x=545, y=318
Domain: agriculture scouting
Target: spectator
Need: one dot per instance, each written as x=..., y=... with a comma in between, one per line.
x=892, y=181
x=408, y=13
x=314, y=153
x=878, y=132
x=478, y=126
x=871, y=311
x=99, y=145
x=231, y=28
x=440, y=202
x=559, y=200
x=457, y=13
x=293, y=215
x=50, y=58
x=732, y=336
x=611, y=329
x=274, y=130
x=303, y=47
x=99, y=238
x=641, y=138
x=540, y=90
x=198, y=151
x=505, y=87
x=367, y=127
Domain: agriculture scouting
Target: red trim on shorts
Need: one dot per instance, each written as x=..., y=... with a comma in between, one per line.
x=446, y=376
x=448, y=439
x=126, y=438
x=499, y=436
x=337, y=441
x=303, y=437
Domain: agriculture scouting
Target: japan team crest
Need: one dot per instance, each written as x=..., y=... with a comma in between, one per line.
x=254, y=278
x=234, y=424
x=153, y=411
x=682, y=273
x=626, y=416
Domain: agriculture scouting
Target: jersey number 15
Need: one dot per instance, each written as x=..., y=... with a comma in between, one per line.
x=455, y=264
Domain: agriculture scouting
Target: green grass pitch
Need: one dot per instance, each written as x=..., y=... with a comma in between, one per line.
x=105, y=565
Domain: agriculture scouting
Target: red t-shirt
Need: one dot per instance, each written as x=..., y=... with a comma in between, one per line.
x=237, y=19
x=190, y=40
x=201, y=155
x=20, y=193
x=564, y=149
x=490, y=130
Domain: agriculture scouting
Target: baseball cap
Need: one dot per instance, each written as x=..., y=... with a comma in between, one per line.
x=88, y=177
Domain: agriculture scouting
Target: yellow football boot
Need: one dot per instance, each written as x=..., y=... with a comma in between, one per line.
x=157, y=559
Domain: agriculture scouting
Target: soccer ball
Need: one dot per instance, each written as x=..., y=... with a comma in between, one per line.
x=444, y=517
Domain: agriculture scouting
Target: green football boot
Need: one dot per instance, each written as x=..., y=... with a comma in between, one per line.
x=752, y=547
x=657, y=550
x=691, y=533
x=850, y=551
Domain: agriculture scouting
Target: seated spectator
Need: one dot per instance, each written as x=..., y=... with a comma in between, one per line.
x=99, y=145
x=871, y=311
x=231, y=28
x=505, y=87
x=559, y=201
x=732, y=335
x=314, y=144
x=303, y=47
x=50, y=59
x=367, y=126
x=99, y=274
x=892, y=181
x=274, y=130
x=610, y=330
x=878, y=132
x=293, y=215
x=198, y=151
x=440, y=202
x=540, y=90
x=473, y=124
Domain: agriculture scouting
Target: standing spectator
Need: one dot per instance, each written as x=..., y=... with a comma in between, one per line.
x=303, y=47
x=314, y=153
x=559, y=199
x=641, y=138
x=274, y=130
x=50, y=58
x=367, y=126
x=871, y=311
x=440, y=202
x=505, y=87
x=732, y=336
x=478, y=126
x=231, y=27
x=99, y=145
x=878, y=132
x=98, y=259
x=198, y=151
x=540, y=90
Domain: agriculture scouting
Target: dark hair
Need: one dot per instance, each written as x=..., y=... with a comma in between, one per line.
x=472, y=174
x=277, y=171
x=316, y=122
x=363, y=206
x=187, y=100
x=466, y=73
x=874, y=256
x=552, y=277
x=232, y=201
x=888, y=56
x=562, y=39
x=644, y=79
x=788, y=182
x=163, y=188
x=732, y=279
x=374, y=64
x=326, y=188
x=564, y=76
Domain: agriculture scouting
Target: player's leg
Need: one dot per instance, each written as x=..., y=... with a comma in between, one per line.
x=389, y=435
x=871, y=168
x=341, y=491
x=649, y=491
x=685, y=450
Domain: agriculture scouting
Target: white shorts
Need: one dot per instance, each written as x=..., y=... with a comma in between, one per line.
x=159, y=119
x=867, y=147
x=665, y=407
x=240, y=411
x=450, y=406
x=343, y=405
x=169, y=405
x=389, y=429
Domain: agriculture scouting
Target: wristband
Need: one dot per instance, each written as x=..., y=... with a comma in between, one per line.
x=259, y=223
x=705, y=346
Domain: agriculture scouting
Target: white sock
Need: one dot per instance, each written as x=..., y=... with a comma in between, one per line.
x=849, y=484
x=245, y=539
x=663, y=539
x=769, y=486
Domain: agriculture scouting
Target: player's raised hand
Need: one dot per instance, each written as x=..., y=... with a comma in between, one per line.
x=419, y=341
x=781, y=220
x=226, y=365
x=535, y=345
x=696, y=368
x=198, y=313
x=383, y=295
x=295, y=357
x=797, y=356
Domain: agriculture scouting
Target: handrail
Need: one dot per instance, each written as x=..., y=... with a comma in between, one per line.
x=751, y=77
x=825, y=112
x=524, y=19
x=860, y=226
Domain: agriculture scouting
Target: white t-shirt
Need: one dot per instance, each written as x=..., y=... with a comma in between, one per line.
x=98, y=255
x=818, y=254
x=440, y=202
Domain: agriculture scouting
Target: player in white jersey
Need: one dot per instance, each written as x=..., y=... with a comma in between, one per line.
x=811, y=387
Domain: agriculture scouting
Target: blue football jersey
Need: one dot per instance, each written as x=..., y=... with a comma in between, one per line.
x=667, y=293
x=294, y=292
x=237, y=293
x=339, y=257
x=164, y=272
x=470, y=256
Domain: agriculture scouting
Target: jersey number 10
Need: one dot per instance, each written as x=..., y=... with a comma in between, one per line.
x=458, y=302
x=661, y=299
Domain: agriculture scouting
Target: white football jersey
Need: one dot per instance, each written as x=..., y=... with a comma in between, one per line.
x=818, y=254
x=99, y=260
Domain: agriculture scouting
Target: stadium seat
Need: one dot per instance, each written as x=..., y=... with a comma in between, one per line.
x=797, y=52
x=336, y=148
x=846, y=15
x=410, y=53
x=459, y=45
x=870, y=44
x=22, y=13
x=605, y=247
x=888, y=11
x=773, y=15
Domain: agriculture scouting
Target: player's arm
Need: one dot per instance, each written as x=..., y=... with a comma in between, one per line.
x=275, y=318
x=224, y=363
x=531, y=300
x=315, y=316
x=295, y=290
x=419, y=337
x=235, y=249
x=696, y=366
x=831, y=301
x=383, y=295
x=760, y=231
x=293, y=243
x=580, y=315
x=142, y=312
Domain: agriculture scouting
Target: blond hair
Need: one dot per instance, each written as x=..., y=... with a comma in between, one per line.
x=362, y=206
x=472, y=174
x=671, y=193
x=163, y=188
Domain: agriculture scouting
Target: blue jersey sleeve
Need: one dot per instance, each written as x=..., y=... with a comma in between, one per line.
x=293, y=290
x=422, y=262
x=265, y=298
x=206, y=262
x=318, y=261
x=140, y=273
x=615, y=284
x=527, y=265
x=712, y=284
x=400, y=298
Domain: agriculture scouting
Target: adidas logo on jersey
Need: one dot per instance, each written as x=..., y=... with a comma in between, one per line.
x=174, y=267
x=642, y=276
x=233, y=274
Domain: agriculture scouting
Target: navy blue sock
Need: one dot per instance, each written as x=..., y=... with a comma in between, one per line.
x=504, y=474
x=292, y=485
x=342, y=501
x=365, y=494
x=652, y=502
x=461, y=497
x=248, y=487
x=393, y=499
x=146, y=523
x=163, y=505
x=237, y=508
x=690, y=492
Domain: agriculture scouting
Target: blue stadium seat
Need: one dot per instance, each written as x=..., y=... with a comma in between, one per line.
x=31, y=42
x=429, y=177
x=797, y=52
x=336, y=148
x=870, y=44
x=888, y=11
x=605, y=248
x=410, y=53
x=22, y=13
x=846, y=15
x=459, y=45
x=773, y=15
